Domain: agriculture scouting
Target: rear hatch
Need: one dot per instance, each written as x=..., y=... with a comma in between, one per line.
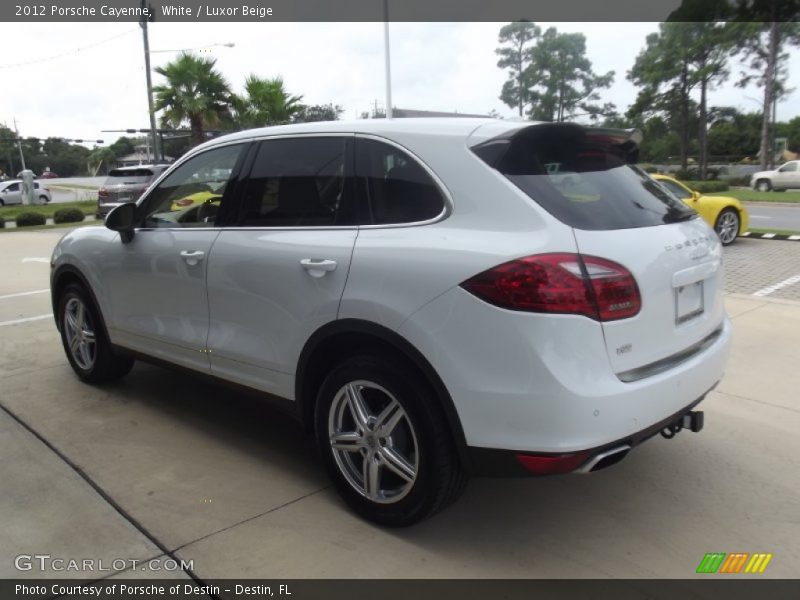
x=126, y=185
x=583, y=177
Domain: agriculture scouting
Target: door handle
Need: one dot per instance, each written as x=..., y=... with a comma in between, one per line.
x=318, y=267
x=192, y=257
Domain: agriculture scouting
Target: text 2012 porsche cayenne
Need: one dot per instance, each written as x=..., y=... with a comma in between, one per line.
x=433, y=298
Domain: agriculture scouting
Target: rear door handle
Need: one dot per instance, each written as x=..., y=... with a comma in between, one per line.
x=192, y=257
x=318, y=267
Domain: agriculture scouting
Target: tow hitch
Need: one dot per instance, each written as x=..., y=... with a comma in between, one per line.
x=693, y=421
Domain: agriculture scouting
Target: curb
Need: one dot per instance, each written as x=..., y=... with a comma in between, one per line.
x=771, y=236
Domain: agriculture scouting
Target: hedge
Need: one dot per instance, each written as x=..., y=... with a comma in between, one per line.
x=30, y=219
x=68, y=215
x=707, y=187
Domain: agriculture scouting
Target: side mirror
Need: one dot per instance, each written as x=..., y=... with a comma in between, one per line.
x=121, y=219
x=695, y=195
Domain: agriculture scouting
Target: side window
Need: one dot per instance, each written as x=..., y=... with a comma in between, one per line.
x=191, y=195
x=14, y=187
x=299, y=182
x=679, y=191
x=788, y=168
x=394, y=186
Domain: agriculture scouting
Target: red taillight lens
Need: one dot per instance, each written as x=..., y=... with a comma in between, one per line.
x=102, y=193
x=550, y=465
x=560, y=283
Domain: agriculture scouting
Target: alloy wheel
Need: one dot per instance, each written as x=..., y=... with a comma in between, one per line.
x=80, y=334
x=373, y=442
x=727, y=227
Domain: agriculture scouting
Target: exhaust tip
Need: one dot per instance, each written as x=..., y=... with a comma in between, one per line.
x=604, y=459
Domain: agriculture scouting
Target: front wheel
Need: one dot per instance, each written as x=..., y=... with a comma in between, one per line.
x=43, y=199
x=385, y=442
x=727, y=226
x=763, y=185
x=85, y=343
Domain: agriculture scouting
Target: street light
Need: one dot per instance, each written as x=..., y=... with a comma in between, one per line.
x=200, y=48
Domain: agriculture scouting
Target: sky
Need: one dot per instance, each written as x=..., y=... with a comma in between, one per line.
x=74, y=80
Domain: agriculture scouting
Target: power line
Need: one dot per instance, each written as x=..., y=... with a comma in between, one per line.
x=68, y=53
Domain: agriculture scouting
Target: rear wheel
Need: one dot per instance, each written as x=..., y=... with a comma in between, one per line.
x=385, y=442
x=727, y=226
x=83, y=336
x=763, y=185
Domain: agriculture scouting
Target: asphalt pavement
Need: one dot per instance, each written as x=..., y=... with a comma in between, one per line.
x=766, y=216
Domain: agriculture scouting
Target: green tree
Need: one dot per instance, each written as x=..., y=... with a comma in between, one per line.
x=664, y=72
x=318, y=112
x=565, y=82
x=516, y=39
x=100, y=159
x=123, y=146
x=194, y=93
x=265, y=102
x=766, y=28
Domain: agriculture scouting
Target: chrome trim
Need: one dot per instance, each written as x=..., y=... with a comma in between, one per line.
x=665, y=364
x=590, y=464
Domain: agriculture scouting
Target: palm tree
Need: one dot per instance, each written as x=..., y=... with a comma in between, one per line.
x=266, y=102
x=195, y=92
x=100, y=157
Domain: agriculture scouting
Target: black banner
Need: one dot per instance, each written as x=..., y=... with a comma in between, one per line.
x=713, y=587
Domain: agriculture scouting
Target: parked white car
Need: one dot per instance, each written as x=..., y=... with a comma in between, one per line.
x=11, y=192
x=425, y=295
x=785, y=177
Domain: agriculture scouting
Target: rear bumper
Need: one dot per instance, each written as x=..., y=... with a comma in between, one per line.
x=490, y=462
x=103, y=208
x=543, y=384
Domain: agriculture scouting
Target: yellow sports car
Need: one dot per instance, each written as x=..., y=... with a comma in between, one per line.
x=725, y=214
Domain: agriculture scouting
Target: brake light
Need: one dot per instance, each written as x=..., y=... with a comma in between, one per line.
x=562, y=283
x=102, y=193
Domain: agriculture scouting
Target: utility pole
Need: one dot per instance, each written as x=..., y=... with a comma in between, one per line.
x=388, y=60
x=19, y=144
x=153, y=132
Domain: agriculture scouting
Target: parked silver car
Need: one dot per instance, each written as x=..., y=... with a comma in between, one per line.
x=785, y=177
x=11, y=192
x=126, y=184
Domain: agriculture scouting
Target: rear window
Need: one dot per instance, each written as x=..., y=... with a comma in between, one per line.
x=585, y=181
x=129, y=176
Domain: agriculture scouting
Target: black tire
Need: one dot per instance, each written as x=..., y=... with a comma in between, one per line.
x=105, y=364
x=2, y=203
x=727, y=226
x=763, y=185
x=44, y=199
x=438, y=477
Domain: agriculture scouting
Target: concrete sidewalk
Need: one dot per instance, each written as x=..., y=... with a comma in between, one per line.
x=218, y=479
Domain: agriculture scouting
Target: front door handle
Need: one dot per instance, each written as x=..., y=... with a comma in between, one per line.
x=318, y=267
x=192, y=257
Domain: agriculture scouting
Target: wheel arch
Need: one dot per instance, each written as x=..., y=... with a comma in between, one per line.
x=340, y=339
x=63, y=276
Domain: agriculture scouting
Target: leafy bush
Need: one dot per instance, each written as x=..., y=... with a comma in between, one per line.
x=68, y=215
x=708, y=187
x=29, y=219
x=650, y=168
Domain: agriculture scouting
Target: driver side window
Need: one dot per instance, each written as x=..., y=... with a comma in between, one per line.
x=191, y=195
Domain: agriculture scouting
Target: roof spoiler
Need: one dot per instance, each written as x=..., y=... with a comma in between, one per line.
x=627, y=141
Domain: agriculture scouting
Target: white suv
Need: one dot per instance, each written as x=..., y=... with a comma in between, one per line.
x=433, y=298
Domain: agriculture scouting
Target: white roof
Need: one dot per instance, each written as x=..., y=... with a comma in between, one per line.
x=453, y=126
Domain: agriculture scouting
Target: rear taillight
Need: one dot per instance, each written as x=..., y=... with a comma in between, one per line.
x=102, y=193
x=560, y=283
